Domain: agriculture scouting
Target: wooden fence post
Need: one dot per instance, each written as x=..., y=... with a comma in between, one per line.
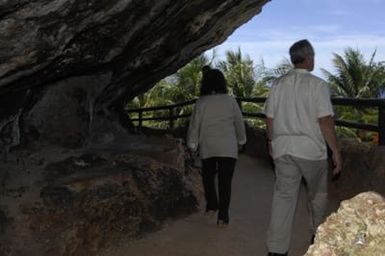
x=140, y=119
x=381, y=123
x=171, y=117
x=239, y=101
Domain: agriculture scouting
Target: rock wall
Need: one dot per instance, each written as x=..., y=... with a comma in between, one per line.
x=256, y=145
x=363, y=170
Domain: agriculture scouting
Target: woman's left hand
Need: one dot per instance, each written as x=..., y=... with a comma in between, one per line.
x=241, y=147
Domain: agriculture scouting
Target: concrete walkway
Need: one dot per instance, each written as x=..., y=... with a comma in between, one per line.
x=198, y=235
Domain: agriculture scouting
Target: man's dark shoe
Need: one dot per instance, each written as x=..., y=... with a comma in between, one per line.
x=276, y=254
x=312, y=239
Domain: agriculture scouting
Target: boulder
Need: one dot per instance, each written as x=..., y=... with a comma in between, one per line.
x=356, y=229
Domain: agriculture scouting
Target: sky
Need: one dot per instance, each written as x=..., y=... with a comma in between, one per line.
x=330, y=25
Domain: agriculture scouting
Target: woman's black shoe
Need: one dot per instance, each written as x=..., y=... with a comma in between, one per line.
x=222, y=224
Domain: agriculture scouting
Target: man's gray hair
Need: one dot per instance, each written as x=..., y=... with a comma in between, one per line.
x=299, y=50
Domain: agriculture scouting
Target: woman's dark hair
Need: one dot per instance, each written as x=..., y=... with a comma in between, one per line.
x=213, y=82
x=205, y=68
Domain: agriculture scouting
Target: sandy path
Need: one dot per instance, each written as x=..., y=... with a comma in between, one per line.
x=197, y=235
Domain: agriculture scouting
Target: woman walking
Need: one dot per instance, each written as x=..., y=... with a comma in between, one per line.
x=217, y=131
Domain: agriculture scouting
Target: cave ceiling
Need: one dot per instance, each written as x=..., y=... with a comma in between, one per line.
x=126, y=46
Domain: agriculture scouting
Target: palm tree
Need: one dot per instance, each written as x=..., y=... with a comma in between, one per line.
x=267, y=75
x=355, y=78
x=188, y=79
x=182, y=86
x=239, y=73
x=380, y=78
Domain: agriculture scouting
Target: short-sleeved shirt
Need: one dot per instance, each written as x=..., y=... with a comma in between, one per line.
x=216, y=127
x=295, y=103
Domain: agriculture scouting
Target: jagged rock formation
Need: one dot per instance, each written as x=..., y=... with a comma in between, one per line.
x=74, y=202
x=357, y=228
x=68, y=66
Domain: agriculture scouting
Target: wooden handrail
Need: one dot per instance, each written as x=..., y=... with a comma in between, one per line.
x=358, y=102
x=182, y=104
x=376, y=103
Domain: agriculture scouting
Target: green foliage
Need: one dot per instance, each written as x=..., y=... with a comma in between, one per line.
x=267, y=75
x=261, y=89
x=184, y=85
x=239, y=73
x=345, y=132
x=253, y=108
x=187, y=80
x=354, y=77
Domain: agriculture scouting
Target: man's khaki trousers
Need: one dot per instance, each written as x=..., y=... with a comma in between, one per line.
x=289, y=171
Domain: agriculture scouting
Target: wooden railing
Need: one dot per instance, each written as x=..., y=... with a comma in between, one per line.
x=361, y=103
x=171, y=117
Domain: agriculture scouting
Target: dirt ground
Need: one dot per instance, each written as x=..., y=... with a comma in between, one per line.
x=198, y=235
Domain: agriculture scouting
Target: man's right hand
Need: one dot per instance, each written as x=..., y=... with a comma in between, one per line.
x=270, y=148
x=337, y=163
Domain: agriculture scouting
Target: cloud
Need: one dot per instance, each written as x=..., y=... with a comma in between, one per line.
x=274, y=49
x=330, y=28
x=359, y=41
x=289, y=33
x=350, y=7
x=270, y=35
x=376, y=1
x=339, y=13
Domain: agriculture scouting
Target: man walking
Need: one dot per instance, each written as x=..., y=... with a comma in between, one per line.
x=299, y=118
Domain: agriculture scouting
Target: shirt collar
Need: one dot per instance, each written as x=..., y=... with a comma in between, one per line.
x=300, y=70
